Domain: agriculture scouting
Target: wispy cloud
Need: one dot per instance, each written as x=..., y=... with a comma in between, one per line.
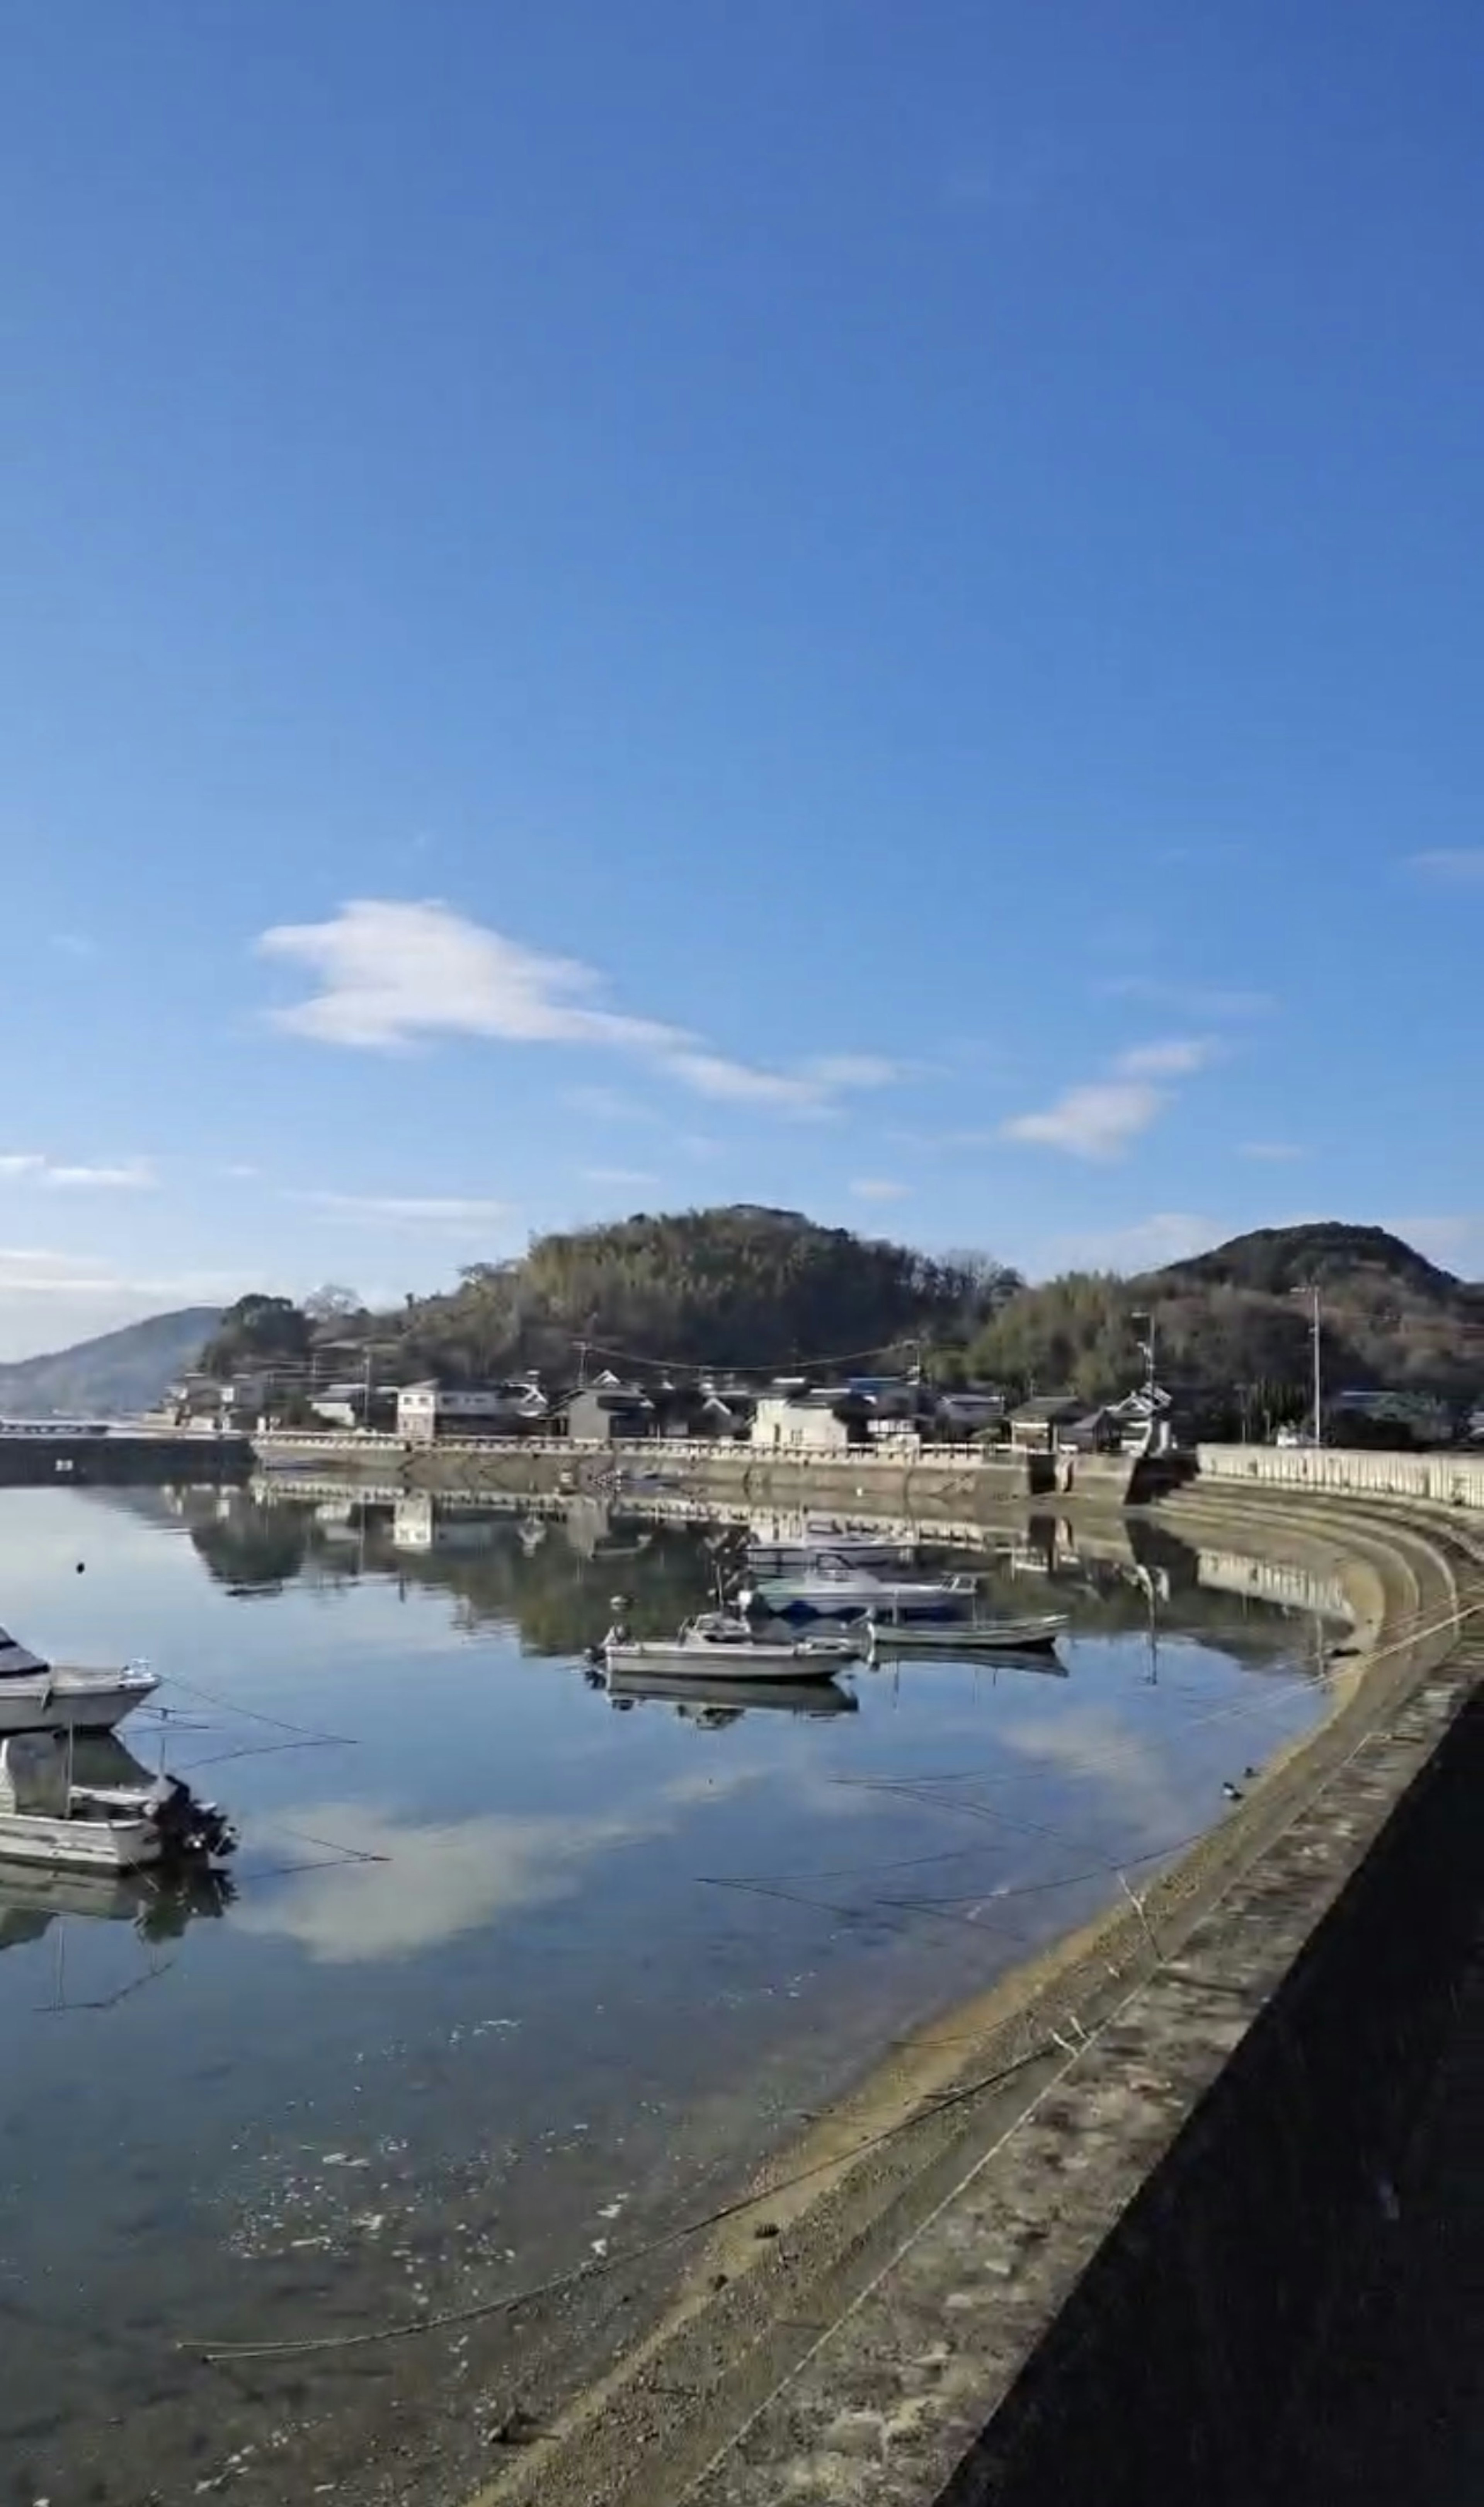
x=625, y=1177
x=74, y=944
x=1171, y=1057
x=390, y=974
x=437, y=1210
x=1144, y=1245
x=879, y=1189
x=1453, y=866
x=1188, y=1001
x=1097, y=1122
x=1103, y=1117
x=126, y=1174
x=1273, y=1152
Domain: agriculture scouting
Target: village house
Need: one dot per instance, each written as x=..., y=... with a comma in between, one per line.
x=1037, y=1425
x=608, y=1413
x=825, y=1418
x=428, y=1411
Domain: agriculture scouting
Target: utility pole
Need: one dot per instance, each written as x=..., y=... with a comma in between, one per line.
x=1319, y=1384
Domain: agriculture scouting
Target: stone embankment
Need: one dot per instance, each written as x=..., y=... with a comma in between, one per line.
x=1099, y=2264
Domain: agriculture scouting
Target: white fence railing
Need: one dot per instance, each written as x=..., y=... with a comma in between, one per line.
x=1433, y=1480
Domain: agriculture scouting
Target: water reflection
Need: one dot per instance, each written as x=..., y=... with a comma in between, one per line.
x=526, y=1943
x=158, y=1909
x=713, y=1704
x=549, y=1567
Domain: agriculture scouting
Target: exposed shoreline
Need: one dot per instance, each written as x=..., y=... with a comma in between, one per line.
x=716, y=2348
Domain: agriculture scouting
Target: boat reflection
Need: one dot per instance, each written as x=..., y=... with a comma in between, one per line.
x=157, y=1905
x=713, y=1703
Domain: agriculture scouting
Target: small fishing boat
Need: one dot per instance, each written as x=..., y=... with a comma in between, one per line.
x=712, y=1700
x=834, y=1592
x=37, y=1696
x=718, y=1642
x=46, y=1817
x=1033, y=1633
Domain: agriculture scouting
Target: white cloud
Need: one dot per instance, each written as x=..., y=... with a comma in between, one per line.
x=1101, y=1118
x=637, y=1177
x=132, y=1175
x=1144, y=1245
x=1456, y=867
x=1273, y=1152
x=737, y=1083
x=422, y=1884
x=391, y=974
x=1189, y=1001
x=879, y=1189
x=1098, y=1121
x=126, y=1175
x=1172, y=1057
x=408, y=1209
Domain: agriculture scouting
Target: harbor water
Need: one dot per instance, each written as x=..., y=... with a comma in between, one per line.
x=512, y=1979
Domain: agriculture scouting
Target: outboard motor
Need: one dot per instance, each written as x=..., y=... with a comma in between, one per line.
x=190, y=1830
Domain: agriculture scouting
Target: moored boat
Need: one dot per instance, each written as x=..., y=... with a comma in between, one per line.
x=719, y=1643
x=39, y=1696
x=46, y=1818
x=1027, y=1634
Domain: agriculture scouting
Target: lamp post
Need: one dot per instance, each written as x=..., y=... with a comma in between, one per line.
x=1312, y=1292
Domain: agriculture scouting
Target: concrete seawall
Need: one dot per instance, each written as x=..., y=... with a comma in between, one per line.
x=905, y=1481
x=1109, y=2272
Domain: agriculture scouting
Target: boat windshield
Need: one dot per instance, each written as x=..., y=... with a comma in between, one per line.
x=15, y=1662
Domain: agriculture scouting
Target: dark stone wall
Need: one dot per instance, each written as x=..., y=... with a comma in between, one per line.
x=1168, y=2376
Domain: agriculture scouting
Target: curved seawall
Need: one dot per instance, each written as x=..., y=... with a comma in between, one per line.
x=1110, y=2272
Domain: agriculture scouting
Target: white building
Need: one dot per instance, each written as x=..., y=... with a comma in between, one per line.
x=427, y=1411
x=810, y=1423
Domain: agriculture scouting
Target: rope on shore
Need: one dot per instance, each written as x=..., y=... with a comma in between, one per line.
x=936, y=2104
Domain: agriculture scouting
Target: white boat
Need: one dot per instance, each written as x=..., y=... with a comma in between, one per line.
x=1028, y=1634
x=37, y=1696
x=46, y=1818
x=839, y=1592
x=719, y=1644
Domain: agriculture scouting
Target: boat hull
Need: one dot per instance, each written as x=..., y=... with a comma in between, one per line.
x=72, y=1701
x=739, y=1662
x=1028, y=1635
x=108, y=1846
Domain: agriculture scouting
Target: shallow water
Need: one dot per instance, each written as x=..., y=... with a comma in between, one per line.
x=511, y=1979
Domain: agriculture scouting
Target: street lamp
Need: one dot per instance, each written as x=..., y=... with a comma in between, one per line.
x=1311, y=1291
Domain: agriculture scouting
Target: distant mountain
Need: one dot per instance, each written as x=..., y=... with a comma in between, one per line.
x=118, y=1373
x=1239, y=1317
x=1278, y=1260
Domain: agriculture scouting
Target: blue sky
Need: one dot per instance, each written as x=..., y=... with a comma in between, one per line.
x=860, y=606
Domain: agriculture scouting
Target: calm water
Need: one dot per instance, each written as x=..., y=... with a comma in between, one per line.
x=483, y=1999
